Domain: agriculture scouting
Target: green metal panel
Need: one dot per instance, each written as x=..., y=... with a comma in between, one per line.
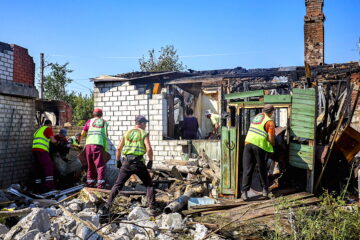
x=303, y=113
x=300, y=91
x=228, y=160
x=303, y=101
x=301, y=156
x=250, y=103
x=236, y=95
x=302, y=132
x=302, y=118
x=277, y=98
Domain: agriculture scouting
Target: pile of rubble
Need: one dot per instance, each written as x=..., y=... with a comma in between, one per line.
x=75, y=213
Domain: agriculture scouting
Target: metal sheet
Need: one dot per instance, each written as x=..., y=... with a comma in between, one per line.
x=301, y=156
x=236, y=95
x=228, y=160
x=277, y=98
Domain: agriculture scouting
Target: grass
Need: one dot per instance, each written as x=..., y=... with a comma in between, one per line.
x=332, y=219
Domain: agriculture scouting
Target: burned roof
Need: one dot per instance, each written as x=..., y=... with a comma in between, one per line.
x=237, y=72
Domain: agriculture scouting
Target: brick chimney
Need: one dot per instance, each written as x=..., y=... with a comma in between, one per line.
x=314, y=32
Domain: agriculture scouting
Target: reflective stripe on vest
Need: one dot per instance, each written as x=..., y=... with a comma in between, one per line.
x=97, y=133
x=134, y=142
x=40, y=141
x=257, y=134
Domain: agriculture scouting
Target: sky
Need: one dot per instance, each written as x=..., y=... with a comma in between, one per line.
x=109, y=36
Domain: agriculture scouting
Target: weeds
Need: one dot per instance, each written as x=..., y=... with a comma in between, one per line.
x=330, y=220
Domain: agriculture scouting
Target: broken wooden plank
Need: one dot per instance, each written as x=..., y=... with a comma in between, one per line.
x=90, y=225
x=15, y=213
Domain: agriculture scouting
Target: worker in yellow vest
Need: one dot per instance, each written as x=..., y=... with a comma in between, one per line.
x=259, y=141
x=44, y=167
x=134, y=144
x=96, y=132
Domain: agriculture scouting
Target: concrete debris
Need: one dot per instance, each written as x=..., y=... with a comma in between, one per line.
x=138, y=213
x=200, y=232
x=3, y=229
x=140, y=237
x=84, y=233
x=172, y=221
x=37, y=219
x=90, y=217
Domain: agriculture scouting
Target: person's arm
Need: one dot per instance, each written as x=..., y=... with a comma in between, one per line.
x=119, y=149
x=53, y=140
x=216, y=128
x=270, y=129
x=149, y=152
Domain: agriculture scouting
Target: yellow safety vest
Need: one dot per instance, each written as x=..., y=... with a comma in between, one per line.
x=40, y=141
x=97, y=133
x=257, y=134
x=134, y=142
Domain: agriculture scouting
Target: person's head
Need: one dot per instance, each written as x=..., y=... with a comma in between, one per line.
x=63, y=132
x=189, y=112
x=77, y=136
x=48, y=123
x=141, y=121
x=269, y=109
x=208, y=113
x=97, y=112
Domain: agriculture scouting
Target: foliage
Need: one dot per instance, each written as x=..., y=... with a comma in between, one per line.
x=330, y=220
x=167, y=61
x=56, y=81
x=55, y=88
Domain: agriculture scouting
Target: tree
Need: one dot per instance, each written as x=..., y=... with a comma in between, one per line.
x=55, y=88
x=56, y=82
x=167, y=61
x=82, y=108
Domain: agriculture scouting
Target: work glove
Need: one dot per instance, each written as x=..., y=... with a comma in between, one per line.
x=149, y=164
x=118, y=164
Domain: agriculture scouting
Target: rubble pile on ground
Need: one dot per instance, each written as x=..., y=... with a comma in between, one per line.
x=76, y=213
x=78, y=217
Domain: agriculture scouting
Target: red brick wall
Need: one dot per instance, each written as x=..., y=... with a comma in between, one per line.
x=24, y=66
x=314, y=32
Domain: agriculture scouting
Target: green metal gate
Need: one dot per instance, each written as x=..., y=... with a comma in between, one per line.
x=303, y=119
x=228, y=160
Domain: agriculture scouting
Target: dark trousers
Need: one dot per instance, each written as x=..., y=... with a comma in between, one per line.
x=125, y=172
x=252, y=155
x=44, y=169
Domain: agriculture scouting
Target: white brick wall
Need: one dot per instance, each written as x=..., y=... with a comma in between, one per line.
x=6, y=65
x=122, y=105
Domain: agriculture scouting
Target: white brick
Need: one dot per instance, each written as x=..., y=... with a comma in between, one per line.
x=139, y=107
x=105, y=99
x=122, y=118
x=134, y=113
x=157, y=106
x=117, y=103
x=158, y=117
x=108, y=94
x=108, y=103
x=140, y=97
x=124, y=93
x=113, y=99
x=134, y=103
x=135, y=92
x=117, y=93
x=130, y=88
x=130, y=98
x=125, y=103
x=154, y=112
x=123, y=108
x=143, y=102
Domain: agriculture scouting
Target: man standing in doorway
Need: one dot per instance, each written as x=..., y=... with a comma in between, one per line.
x=215, y=122
x=43, y=163
x=133, y=146
x=259, y=141
x=96, y=143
